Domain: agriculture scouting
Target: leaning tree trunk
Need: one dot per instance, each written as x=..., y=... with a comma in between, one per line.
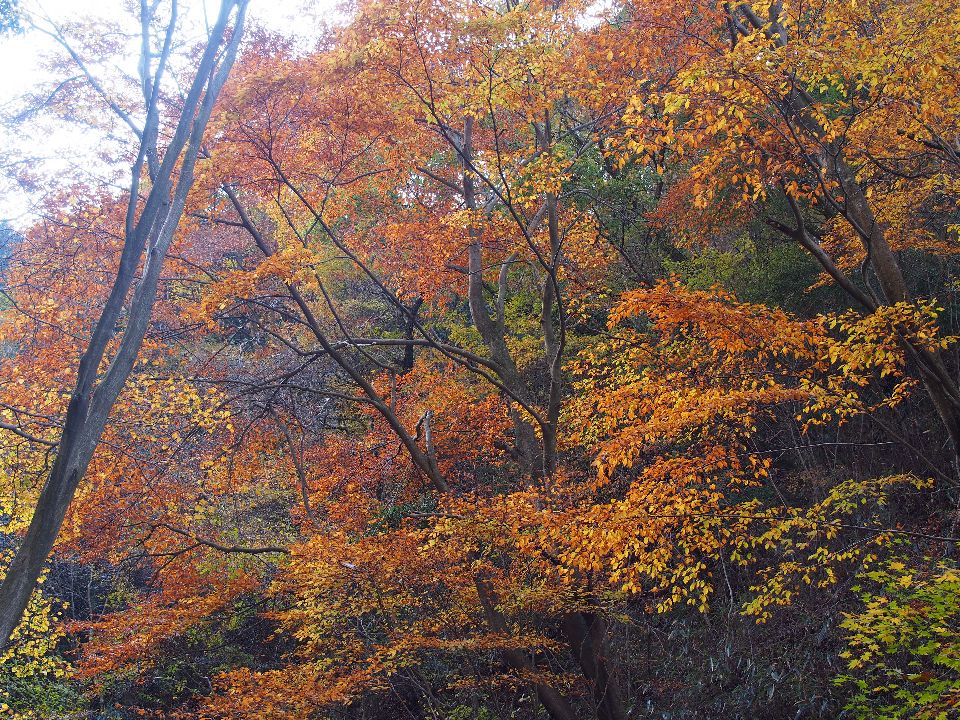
x=147, y=237
x=941, y=387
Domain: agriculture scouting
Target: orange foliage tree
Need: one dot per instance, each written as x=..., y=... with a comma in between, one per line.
x=403, y=395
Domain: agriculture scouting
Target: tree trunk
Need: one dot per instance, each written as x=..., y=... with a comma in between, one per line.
x=93, y=396
x=941, y=388
x=409, y=328
x=555, y=704
x=492, y=330
x=586, y=634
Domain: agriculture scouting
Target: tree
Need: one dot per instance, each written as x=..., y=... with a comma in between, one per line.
x=452, y=406
x=9, y=16
x=815, y=111
x=161, y=178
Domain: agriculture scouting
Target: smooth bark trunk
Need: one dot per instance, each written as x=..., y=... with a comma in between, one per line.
x=94, y=395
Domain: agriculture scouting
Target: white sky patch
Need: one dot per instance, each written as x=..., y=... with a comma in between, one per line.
x=66, y=149
x=597, y=13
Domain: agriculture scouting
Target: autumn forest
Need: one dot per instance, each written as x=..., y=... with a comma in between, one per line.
x=486, y=359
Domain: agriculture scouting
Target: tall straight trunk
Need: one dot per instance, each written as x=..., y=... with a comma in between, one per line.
x=94, y=395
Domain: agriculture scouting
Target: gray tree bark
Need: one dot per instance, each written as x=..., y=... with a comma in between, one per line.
x=147, y=238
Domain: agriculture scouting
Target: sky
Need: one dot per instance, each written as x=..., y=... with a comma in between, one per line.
x=20, y=54
x=57, y=150
x=59, y=146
